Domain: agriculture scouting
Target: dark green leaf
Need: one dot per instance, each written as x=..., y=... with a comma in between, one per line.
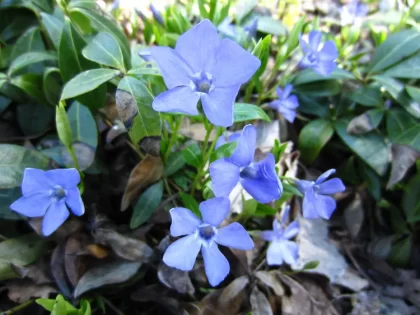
x=174, y=164
x=262, y=52
x=31, y=84
x=7, y=197
x=34, y=119
x=63, y=126
x=54, y=28
x=365, y=122
x=397, y=121
x=30, y=41
x=52, y=85
x=83, y=125
x=319, y=88
x=407, y=69
x=313, y=138
x=245, y=112
x=190, y=203
x=410, y=137
x=192, y=155
x=4, y=103
x=269, y=25
x=264, y=210
x=368, y=96
x=309, y=75
x=147, y=204
x=414, y=92
x=401, y=251
x=411, y=199
x=29, y=58
x=293, y=39
x=311, y=265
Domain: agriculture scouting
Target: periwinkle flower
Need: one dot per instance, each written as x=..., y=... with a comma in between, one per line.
x=281, y=248
x=203, y=67
x=259, y=179
x=204, y=235
x=315, y=202
x=321, y=59
x=156, y=14
x=352, y=12
x=50, y=194
x=222, y=139
x=286, y=104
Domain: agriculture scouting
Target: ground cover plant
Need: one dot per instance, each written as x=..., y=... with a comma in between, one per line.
x=209, y=157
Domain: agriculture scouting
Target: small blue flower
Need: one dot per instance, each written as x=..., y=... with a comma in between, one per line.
x=145, y=54
x=156, y=14
x=352, y=12
x=203, y=67
x=49, y=194
x=322, y=60
x=286, y=104
x=315, y=203
x=204, y=235
x=222, y=139
x=281, y=248
x=259, y=179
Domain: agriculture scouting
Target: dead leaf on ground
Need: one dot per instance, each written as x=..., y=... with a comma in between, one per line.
x=259, y=303
x=58, y=270
x=22, y=290
x=69, y=227
x=147, y=172
x=271, y=281
x=354, y=216
x=196, y=132
x=403, y=157
x=73, y=260
x=39, y=273
x=176, y=279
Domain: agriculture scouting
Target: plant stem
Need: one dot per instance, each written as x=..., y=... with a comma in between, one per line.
x=209, y=129
x=248, y=92
x=112, y=306
x=17, y=308
x=174, y=135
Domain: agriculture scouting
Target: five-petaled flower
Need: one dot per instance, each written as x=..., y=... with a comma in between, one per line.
x=49, y=194
x=321, y=59
x=353, y=12
x=203, y=67
x=315, y=203
x=281, y=248
x=204, y=235
x=259, y=179
x=286, y=104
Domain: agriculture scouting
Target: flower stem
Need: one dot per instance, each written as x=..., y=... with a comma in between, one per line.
x=248, y=92
x=17, y=308
x=174, y=135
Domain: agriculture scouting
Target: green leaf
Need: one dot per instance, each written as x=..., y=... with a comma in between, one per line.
x=48, y=304
x=34, y=119
x=87, y=81
x=192, y=155
x=63, y=126
x=134, y=104
x=319, y=88
x=245, y=112
x=414, y=92
x=278, y=150
x=262, y=52
x=310, y=265
x=31, y=84
x=293, y=39
x=52, y=84
x=410, y=137
x=401, y=252
x=104, y=49
x=366, y=122
x=20, y=251
x=29, y=58
x=397, y=121
x=174, y=164
x=243, y=8
x=13, y=161
x=269, y=25
x=30, y=41
x=54, y=28
x=313, y=138
x=411, y=199
x=224, y=151
x=85, y=308
x=407, y=69
x=190, y=203
x=83, y=125
x=309, y=75
x=146, y=205
x=395, y=48
x=368, y=96
x=370, y=147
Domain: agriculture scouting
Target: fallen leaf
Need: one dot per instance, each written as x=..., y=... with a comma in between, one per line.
x=271, y=281
x=354, y=216
x=147, y=172
x=151, y=145
x=267, y=133
x=97, y=251
x=259, y=303
x=176, y=279
x=58, y=270
x=403, y=157
x=73, y=260
x=110, y=273
x=197, y=132
x=22, y=290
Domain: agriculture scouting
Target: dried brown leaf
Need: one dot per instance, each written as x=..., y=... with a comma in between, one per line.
x=22, y=290
x=73, y=261
x=403, y=157
x=58, y=270
x=259, y=303
x=271, y=281
x=147, y=172
x=97, y=251
x=354, y=216
x=176, y=279
x=196, y=132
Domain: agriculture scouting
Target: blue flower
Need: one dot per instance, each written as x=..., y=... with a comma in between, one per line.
x=315, y=202
x=156, y=14
x=145, y=54
x=281, y=248
x=203, y=67
x=259, y=179
x=204, y=235
x=286, y=104
x=322, y=60
x=222, y=139
x=49, y=194
x=352, y=12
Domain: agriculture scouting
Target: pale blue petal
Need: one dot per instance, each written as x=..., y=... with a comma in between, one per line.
x=290, y=251
x=292, y=230
x=146, y=55
x=324, y=176
x=303, y=185
x=328, y=52
x=325, y=67
x=183, y=222
x=331, y=186
x=74, y=201
x=182, y=253
x=234, y=235
x=277, y=228
x=291, y=102
x=268, y=236
x=174, y=69
x=287, y=90
x=274, y=254
x=215, y=210
x=244, y=152
x=314, y=40
x=234, y=65
x=309, y=205
x=304, y=45
x=218, y=105
x=224, y=176
x=279, y=93
x=67, y=177
x=180, y=99
x=288, y=114
x=216, y=265
x=34, y=181
x=56, y=214
x=325, y=205
x=32, y=206
x=198, y=46
x=220, y=141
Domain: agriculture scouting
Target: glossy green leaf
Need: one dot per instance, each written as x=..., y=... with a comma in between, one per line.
x=410, y=136
x=309, y=75
x=48, y=304
x=104, y=49
x=370, y=147
x=83, y=125
x=395, y=48
x=366, y=122
x=293, y=39
x=414, y=92
x=310, y=265
x=52, y=84
x=147, y=204
x=245, y=112
x=134, y=104
x=54, y=28
x=174, y=163
x=269, y=25
x=407, y=69
x=63, y=126
x=319, y=88
x=29, y=58
x=367, y=96
x=313, y=138
x=87, y=81
x=34, y=119
x=397, y=121
x=411, y=199
x=190, y=203
x=30, y=41
x=31, y=84
x=192, y=155
x=7, y=197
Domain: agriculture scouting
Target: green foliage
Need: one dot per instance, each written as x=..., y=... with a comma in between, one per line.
x=60, y=306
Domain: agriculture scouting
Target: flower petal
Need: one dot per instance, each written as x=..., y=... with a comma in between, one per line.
x=268, y=236
x=67, y=177
x=309, y=205
x=198, y=46
x=291, y=102
x=215, y=210
x=224, y=176
x=74, y=201
x=34, y=181
x=244, y=152
x=328, y=52
x=274, y=254
x=234, y=65
x=174, y=69
x=303, y=185
x=287, y=90
x=56, y=214
x=216, y=265
x=314, y=40
x=324, y=176
x=325, y=206
x=288, y=114
x=290, y=251
x=218, y=105
x=285, y=215
x=234, y=235
x=325, y=67
x=304, y=45
x=292, y=230
x=183, y=222
x=331, y=186
x=182, y=253
x=181, y=99
x=32, y=206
